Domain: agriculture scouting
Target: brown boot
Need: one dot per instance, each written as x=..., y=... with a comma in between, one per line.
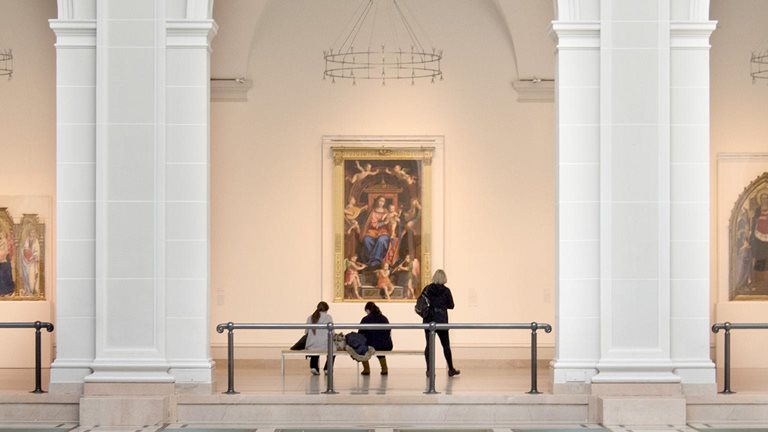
x=383, y=363
x=366, y=368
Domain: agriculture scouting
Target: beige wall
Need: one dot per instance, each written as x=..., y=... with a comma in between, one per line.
x=739, y=111
x=267, y=174
x=266, y=159
x=27, y=146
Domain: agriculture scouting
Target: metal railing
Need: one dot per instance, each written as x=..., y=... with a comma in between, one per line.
x=727, y=326
x=431, y=328
x=37, y=325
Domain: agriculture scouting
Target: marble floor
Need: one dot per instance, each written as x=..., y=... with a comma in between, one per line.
x=474, y=380
x=66, y=427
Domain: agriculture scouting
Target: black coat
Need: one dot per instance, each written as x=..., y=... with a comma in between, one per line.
x=381, y=340
x=440, y=300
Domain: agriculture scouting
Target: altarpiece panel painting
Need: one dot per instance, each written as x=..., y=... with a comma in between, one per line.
x=748, y=243
x=22, y=257
x=382, y=200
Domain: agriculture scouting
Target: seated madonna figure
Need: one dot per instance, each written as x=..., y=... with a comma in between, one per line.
x=376, y=234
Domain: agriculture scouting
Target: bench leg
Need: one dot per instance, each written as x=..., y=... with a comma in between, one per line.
x=282, y=364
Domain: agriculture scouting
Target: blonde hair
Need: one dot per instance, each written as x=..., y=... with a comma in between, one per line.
x=439, y=277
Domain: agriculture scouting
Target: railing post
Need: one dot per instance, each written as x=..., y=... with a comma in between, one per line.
x=431, y=365
x=534, y=360
x=329, y=361
x=727, y=358
x=38, y=358
x=230, y=359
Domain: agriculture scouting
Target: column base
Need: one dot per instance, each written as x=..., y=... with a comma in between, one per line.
x=572, y=377
x=127, y=404
x=643, y=402
x=68, y=376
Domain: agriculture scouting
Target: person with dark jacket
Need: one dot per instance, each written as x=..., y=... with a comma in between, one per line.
x=381, y=340
x=440, y=300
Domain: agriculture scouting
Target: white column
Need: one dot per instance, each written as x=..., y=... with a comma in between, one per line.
x=187, y=198
x=577, y=320
x=633, y=193
x=75, y=200
x=689, y=119
x=130, y=286
x=635, y=188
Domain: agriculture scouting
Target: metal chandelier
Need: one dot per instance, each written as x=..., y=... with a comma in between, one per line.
x=393, y=49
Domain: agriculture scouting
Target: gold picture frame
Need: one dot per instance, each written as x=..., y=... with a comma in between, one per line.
x=382, y=210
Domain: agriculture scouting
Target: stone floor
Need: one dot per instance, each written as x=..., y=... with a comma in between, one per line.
x=66, y=427
x=260, y=380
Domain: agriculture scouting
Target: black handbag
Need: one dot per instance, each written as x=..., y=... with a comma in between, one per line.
x=301, y=344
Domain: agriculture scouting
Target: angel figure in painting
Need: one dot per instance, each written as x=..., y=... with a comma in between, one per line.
x=411, y=268
x=352, y=275
x=401, y=173
x=30, y=263
x=351, y=212
x=6, y=269
x=743, y=258
x=363, y=172
x=383, y=281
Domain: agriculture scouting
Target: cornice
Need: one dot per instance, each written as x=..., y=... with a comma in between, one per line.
x=230, y=90
x=74, y=33
x=534, y=91
x=691, y=34
x=190, y=33
x=576, y=34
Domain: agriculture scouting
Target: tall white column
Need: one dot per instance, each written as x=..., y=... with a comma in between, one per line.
x=578, y=203
x=187, y=198
x=690, y=168
x=633, y=200
x=75, y=198
x=133, y=193
x=130, y=230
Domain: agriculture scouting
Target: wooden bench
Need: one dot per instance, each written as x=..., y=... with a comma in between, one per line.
x=302, y=353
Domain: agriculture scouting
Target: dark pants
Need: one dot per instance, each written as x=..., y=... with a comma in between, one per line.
x=314, y=362
x=445, y=342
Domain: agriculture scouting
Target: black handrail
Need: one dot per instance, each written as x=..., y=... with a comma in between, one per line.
x=432, y=327
x=727, y=326
x=37, y=325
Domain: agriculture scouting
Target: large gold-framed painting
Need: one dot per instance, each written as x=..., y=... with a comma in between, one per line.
x=748, y=242
x=381, y=222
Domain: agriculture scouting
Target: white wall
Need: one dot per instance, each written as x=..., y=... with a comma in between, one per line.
x=28, y=149
x=739, y=110
x=266, y=173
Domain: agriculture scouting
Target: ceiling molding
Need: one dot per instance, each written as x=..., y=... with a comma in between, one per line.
x=535, y=90
x=230, y=90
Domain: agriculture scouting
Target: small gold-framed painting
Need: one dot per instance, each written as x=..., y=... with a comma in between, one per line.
x=381, y=222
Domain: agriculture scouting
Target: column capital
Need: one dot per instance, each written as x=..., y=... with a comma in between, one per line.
x=691, y=34
x=74, y=33
x=190, y=33
x=576, y=34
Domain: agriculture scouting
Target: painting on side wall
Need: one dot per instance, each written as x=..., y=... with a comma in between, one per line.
x=748, y=242
x=382, y=232
x=22, y=256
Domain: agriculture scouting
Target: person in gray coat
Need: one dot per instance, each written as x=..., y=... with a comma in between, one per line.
x=318, y=339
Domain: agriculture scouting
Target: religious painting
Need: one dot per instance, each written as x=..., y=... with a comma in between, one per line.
x=22, y=257
x=748, y=243
x=382, y=200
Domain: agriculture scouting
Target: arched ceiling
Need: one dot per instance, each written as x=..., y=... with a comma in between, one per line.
x=528, y=23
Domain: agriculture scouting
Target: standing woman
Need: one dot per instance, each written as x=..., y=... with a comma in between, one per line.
x=318, y=339
x=440, y=300
x=381, y=340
